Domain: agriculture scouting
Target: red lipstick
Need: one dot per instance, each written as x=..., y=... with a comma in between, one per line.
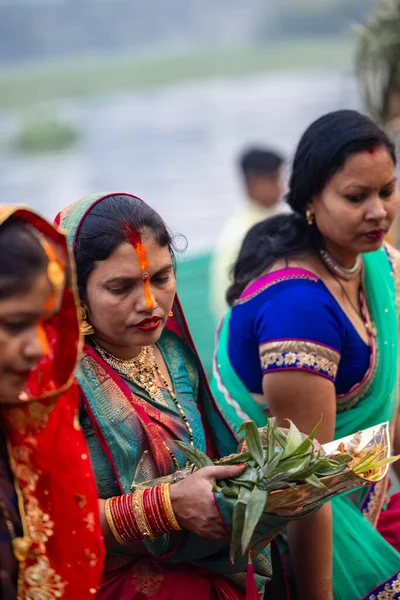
x=150, y=324
x=375, y=235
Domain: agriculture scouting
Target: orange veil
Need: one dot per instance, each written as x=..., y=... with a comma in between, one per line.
x=61, y=552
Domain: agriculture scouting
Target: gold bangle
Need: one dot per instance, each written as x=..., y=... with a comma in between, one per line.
x=110, y=521
x=140, y=516
x=169, y=511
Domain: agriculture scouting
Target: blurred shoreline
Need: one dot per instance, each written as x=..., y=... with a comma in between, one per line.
x=30, y=86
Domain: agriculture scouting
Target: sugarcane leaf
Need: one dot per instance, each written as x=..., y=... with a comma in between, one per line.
x=273, y=462
x=280, y=485
x=198, y=458
x=280, y=437
x=308, y=442
x=235, y=459
x=249, y=475
x=294, y=465
x=270, y=436
x=253, y=441
x=246, y=484
x=238, y=518
x=313, y=480
x=254, y=509
x=230, y=492
x=293, y=439
x=339, y=458
x=326, y=466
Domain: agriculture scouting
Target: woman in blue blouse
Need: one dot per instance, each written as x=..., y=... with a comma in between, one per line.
x=313, y=330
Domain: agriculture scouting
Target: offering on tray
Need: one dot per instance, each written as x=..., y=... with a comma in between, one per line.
x=289, y=474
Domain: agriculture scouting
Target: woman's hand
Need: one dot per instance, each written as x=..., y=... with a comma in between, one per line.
x=194, y=504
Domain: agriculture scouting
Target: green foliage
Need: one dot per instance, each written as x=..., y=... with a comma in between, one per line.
x=282, y=461
x=44, y=135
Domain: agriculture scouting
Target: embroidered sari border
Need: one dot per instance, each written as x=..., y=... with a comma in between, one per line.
x=389, y=590
x=297, y=354
x=358, y=391
x=266, y=281
x=374, y=500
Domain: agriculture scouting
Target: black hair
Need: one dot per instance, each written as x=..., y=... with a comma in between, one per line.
x=102, y=231
x=22, y=257
x=321, y=153
x=258, y=161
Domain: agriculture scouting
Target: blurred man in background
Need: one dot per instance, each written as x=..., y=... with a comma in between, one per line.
x=262, y=173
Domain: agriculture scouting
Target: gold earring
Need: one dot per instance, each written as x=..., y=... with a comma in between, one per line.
x=309, y=217
x=85, y=327
x=171, y=314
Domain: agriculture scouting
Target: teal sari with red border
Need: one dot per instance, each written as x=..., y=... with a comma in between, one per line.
x=131, y=434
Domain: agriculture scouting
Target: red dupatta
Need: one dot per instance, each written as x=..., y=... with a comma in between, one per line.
x=61, y=554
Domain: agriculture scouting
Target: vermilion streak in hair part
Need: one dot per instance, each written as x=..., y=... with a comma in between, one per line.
x=135, y=239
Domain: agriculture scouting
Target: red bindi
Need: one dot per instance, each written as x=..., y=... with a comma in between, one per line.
x=371, y=150
x=145, y=276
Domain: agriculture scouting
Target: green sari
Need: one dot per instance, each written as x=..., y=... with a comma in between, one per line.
x=365, y=566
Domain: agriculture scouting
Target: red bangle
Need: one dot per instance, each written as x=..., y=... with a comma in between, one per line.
x=160, y=509
x=128, y=518
x=142, y=515
x=148, y=505
x=119, y=519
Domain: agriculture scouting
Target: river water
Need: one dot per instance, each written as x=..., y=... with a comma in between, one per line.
x=176, y=146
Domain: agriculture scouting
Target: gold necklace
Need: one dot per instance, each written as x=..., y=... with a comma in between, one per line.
x=143, y=370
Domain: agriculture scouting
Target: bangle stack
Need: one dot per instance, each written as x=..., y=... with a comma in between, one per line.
x=144, y=515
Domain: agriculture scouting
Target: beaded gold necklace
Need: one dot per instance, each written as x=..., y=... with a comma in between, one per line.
x=143, y=370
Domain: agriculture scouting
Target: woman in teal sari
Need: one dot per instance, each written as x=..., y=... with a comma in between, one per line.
x=143, y=388
x=313, y=330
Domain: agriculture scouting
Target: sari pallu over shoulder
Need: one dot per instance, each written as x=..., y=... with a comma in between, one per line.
x=127, y=426
x=365, y=566
x=61, y=553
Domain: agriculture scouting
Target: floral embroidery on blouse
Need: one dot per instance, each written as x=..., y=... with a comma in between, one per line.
x=299, y=354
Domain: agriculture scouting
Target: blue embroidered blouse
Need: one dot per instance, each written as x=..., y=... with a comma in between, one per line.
x=295, y=323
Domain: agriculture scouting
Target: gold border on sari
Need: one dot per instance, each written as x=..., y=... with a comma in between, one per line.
x=389, y=592
x=36, y=577
x=376, y=499
x=6, y=212
x=357, y=393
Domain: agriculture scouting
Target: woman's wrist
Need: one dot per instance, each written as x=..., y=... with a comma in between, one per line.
x=144, y=515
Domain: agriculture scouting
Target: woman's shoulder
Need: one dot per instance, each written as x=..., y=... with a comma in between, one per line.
x=293, y=304
x=291, y=285
x=179, y=356
x=175, y=348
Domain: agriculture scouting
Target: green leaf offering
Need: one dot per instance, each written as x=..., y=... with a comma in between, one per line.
x=277, y=460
